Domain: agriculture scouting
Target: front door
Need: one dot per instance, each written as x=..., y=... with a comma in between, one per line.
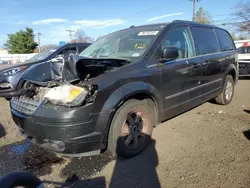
x=180, y=77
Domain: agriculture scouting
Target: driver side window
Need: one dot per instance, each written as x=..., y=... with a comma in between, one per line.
x=67, y=51
x=180, y=38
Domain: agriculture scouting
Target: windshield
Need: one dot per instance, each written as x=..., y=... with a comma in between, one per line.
x=129, y=43
x=244, y=50
x=42, y=55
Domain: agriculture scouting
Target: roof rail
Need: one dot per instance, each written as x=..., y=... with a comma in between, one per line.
x=179, y=21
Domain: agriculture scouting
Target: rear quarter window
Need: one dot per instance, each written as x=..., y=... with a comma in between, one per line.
x=225, y=40
x=205, y=40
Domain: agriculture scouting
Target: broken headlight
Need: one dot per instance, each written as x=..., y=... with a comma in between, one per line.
x=68, y=95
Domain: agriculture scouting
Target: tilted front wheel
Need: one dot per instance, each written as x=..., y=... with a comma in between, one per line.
x=131, y=128
x=227, y=93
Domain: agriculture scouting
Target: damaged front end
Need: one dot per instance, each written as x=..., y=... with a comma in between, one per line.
x=64, y=83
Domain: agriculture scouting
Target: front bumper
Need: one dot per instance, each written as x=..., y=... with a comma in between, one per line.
x=244, y=68
x=68, y=131
x=10, y=93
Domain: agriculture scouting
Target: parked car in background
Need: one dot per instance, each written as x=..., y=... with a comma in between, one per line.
x=244, y=60
x=114, y=93
x=11, y=74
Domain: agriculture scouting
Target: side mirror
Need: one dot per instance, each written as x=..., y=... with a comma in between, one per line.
x=60, y=56
x=170, y=53
x=57, y=58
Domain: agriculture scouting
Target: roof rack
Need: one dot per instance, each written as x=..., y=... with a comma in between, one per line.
x=183, y=21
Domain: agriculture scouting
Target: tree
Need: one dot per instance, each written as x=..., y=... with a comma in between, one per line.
x=80, y=36
x=243, y=13
x=21, y=42
x=203, y=17
x=194, y=2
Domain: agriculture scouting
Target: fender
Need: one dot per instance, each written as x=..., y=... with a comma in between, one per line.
x=107, y=110
x=125, y=91
x=230, y=68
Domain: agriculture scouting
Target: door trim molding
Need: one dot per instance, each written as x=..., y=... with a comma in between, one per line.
x=214, y=90
x=192, y=89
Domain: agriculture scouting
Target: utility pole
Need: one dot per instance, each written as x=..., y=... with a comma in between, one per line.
x=70, y=33
x=194, y=2
x=38, y=37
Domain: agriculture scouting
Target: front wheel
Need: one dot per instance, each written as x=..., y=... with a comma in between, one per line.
x=227, y=93
x=131, y=128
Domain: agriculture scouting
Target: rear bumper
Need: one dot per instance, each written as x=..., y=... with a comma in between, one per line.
x=66, y=131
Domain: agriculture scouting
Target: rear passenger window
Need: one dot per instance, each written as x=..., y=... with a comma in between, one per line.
x=205, y=40
x=225, y=40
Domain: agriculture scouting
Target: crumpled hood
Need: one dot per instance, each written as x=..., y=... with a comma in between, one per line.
x=43, y=72
x=66, y=70
x=71, y=69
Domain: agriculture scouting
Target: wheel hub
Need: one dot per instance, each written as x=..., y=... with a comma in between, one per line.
x=132, y=130
x=229, y=90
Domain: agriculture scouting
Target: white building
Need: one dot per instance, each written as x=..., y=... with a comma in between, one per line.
x=3, y=51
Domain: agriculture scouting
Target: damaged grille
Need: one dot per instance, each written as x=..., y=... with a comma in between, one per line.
x=25, y=105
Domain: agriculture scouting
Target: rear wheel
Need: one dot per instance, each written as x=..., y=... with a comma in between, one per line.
x=227, y=93
x=131, y=128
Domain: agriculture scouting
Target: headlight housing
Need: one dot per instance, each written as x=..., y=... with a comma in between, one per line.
x=68, y=95
x=13, y=71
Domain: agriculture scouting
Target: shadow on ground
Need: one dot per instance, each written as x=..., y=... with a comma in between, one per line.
x=139, y=171
x=2, y=131
x=27, y=157
x=78, y=172
x=247, y=111
x=247, y=134
x=244, y=77
x=86, y=167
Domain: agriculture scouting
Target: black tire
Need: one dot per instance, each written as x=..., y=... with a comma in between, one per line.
x=131, y=128
x=227, y=94
x=153, y=108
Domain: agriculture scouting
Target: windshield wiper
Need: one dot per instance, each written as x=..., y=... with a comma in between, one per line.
x=113, y=58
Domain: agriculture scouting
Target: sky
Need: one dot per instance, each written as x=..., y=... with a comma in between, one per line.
x=52, y=18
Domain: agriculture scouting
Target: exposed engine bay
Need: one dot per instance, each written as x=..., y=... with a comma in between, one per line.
x=65, y=82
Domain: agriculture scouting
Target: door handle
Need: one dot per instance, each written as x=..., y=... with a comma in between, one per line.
x=196, y=65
